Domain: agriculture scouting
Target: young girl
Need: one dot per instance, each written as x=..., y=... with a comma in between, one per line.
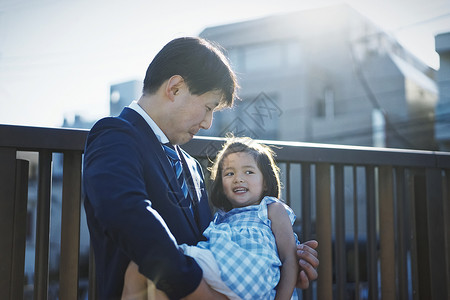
x=251, y=225
x=250, y=251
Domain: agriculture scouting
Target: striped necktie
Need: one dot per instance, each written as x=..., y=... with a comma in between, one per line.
x=178, y=168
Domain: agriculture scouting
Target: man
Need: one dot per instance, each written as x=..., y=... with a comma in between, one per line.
x=137, y=206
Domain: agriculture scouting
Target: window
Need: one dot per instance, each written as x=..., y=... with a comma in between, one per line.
x=236, y=59
x=325, y=105
x=293, y=53
x=263, y=57
x=379, y=128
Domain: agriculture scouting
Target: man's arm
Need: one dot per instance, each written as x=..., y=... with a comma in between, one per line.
x=308, y=260
x=121, y=202
x=137, y=286
x=284, y=237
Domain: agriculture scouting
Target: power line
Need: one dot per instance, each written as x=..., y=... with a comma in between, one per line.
x=421, y=22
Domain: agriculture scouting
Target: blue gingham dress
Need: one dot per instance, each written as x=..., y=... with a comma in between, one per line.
x=244, y=247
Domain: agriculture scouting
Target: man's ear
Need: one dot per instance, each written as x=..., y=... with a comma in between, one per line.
x=173, y=86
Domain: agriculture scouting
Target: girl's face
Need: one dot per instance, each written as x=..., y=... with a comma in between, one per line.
x=243, y=182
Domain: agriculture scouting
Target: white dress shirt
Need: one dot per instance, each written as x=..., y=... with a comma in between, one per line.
x=158, y=132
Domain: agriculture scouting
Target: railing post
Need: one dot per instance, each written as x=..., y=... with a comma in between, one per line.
x=306, y=200
x=339, y=241
x=324, y=233
x=288, y=184
x=403, y=209
x=446, y=199
x=356, y=249
x=70, y=226
x=387, y=239
x=422, y=289
x=306, y=211
x=436, y=235
x=42, y=226
x=372, y=253
x=7, y=194
x=19, y=229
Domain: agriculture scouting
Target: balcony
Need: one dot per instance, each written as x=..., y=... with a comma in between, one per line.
x=381, y=216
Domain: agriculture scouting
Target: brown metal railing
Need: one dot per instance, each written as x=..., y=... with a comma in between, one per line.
x=380, y=215
x=13, y=203
x=403, y=251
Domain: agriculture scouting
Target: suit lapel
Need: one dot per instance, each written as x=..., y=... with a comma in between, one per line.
x=175, y=194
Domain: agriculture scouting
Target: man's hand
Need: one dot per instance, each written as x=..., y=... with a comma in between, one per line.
x=308, y=261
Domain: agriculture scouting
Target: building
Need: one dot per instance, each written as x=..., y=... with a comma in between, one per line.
x=122, y=94
x=443, y=81
x=326, y=75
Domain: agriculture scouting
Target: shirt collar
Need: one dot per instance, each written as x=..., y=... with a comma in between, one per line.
x=158, y=132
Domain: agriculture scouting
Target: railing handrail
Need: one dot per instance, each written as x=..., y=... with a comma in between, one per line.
x=329, y=153
x=28, y=138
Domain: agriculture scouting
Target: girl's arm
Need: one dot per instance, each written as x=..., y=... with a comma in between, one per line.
x=287, y=250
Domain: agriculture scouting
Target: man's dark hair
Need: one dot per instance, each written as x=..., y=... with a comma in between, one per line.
x=202, y=65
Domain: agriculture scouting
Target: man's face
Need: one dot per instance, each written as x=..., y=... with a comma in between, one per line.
x=192, y=114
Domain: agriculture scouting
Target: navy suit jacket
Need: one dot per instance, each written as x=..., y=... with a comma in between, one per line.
x=131, y=203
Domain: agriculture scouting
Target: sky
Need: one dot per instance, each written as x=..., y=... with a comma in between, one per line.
x=58, y=58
